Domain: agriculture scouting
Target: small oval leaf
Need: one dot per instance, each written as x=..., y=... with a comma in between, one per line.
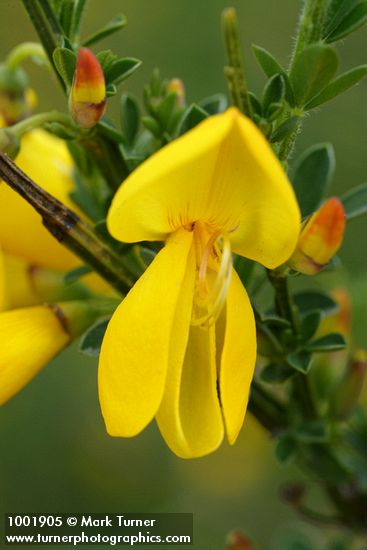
x=355, y=202
x=312, y=176
x=312, y=71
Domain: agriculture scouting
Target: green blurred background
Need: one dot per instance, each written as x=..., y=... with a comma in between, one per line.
x=54, y=453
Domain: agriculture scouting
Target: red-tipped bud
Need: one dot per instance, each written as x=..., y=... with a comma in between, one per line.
x=350, y=387
x=237, y=540
x=320, y=238
x=177, y=86
x=87, y=99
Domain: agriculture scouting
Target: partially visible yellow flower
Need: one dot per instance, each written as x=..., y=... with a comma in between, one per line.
x=182, y=345
x=2, y=282
x=46, y=160
x=30, y=337
x=87, y=99
x=320, y=238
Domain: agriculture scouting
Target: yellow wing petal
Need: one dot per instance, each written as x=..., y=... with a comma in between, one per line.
x=46, y=160
x=30, y=338
x=135, y=351
x=238, y=357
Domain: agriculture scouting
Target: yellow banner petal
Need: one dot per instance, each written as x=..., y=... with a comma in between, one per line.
x=171, y=188
x=135, y=351
x=238, y=357
x=222, y=173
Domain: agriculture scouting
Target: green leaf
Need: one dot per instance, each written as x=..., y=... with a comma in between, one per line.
x=330, y=342
x=111, y=90
x=313, y=173
x=191, y=118
x=337, y=10
x=60, y=130
x=285, y=129
x=152, y=125
x=166, y=110
x=341, y=84
x=66, y=15
x=255, y=104
x=355, y=202
x=214, y=104
x=274, y=92
x=130, y=117
x=312, y=71
x=286, y=449
x=267, y=61
x=315, y=300
x=76, y=274
x=272, y=319
x=274, y=110
x=353, y=20
x=113, y=26
x=313, y=432
x=276, y=373
x=107, y=129
x=121, y=69
x=309, y=324
x=106, y=58
x=65, y=63
x=91, y=341
x=300, y=360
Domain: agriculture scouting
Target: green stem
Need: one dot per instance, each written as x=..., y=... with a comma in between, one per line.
x=47, y=28
x=283, y=299
x=267, y=409
x=235, y=72
x=310, y=26
x=309, y=32
x=68, y=228
x=38, y=120
x=22, y=52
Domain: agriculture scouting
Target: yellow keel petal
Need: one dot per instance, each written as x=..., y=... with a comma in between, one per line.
x=189, y=417
x=135, y=351
x=238, y=357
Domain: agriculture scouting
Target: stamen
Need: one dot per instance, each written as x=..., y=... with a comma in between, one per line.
x=214, y=301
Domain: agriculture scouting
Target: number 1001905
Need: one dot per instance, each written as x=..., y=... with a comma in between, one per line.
x=34, y=521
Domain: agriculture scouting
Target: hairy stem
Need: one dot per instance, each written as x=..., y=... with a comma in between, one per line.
x=47, y=28
x=235, y=72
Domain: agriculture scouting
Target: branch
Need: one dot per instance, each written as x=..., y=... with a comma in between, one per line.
x=67, y=227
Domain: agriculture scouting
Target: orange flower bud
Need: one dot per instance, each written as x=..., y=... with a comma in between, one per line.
x=350, y=387
x=87, y=99
x=177, y=86
x=237, y=540
x=320, y=238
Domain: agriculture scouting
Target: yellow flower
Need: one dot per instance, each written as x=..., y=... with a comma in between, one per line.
x=182, y=344
x=46, y=160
